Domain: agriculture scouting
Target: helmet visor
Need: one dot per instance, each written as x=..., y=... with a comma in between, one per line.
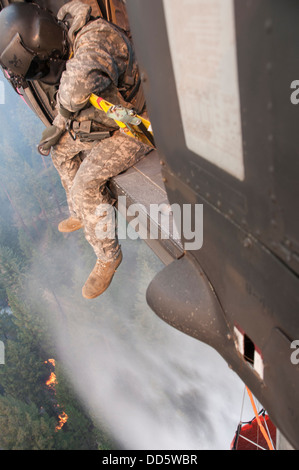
x=37, y=70
x=15, y=58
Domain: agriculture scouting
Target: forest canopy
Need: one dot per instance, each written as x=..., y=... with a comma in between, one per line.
x=33, y=415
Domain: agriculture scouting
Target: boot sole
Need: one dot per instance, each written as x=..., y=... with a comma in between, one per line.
x=90, y=297
x=69, y=230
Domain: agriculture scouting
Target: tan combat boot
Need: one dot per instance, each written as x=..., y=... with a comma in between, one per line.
x=69, y=225
x=100, y=278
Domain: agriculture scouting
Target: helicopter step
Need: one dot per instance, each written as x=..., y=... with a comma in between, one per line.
x=141, y=194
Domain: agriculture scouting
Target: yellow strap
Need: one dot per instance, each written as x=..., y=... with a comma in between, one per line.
x=130, y=130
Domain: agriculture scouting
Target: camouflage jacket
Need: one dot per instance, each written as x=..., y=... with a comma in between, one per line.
x=102, y=57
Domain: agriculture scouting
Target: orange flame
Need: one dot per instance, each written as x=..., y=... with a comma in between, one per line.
x=51, y=382
x=63, y=417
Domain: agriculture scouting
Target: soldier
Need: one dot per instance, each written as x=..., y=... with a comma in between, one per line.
x=80, y=55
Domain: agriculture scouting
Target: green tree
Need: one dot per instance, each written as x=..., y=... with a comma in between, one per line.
x=25, y=426
x=24, y=374
x=79, y=432
x=37, y=282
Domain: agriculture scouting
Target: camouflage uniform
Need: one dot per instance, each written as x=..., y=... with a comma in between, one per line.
x=100, y=61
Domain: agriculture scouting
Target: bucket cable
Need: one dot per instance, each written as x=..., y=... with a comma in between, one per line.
x=263, y=431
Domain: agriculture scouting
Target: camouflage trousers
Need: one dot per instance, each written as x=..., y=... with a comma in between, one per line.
x=84, y=169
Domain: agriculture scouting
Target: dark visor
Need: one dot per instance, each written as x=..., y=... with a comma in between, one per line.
x=37, y=70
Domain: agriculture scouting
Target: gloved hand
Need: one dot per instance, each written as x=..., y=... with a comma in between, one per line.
x=65, y=113
x=50, y=137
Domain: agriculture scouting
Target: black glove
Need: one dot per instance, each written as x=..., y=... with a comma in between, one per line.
x=50, y=137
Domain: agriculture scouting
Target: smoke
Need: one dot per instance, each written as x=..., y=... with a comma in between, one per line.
x=157, y=399
x=155, y=387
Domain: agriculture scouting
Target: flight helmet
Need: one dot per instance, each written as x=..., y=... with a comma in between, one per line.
x=33, y=43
